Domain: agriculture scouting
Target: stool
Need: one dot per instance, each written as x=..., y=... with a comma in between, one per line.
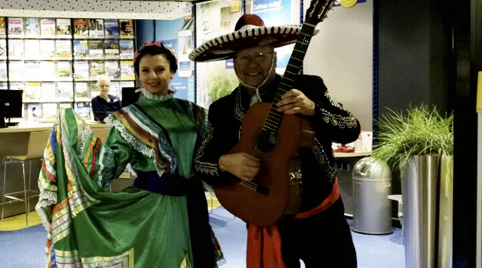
x=36, y=145
x=398, y=198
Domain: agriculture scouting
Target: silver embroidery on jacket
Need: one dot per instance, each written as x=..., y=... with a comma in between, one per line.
x=320, y=154
x=238, y=106
x=206, y=167
x=338, y=120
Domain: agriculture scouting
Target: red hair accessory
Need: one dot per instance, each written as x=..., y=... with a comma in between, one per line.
x=155, y=43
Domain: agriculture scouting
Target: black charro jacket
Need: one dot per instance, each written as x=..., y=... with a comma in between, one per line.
x=331, y=123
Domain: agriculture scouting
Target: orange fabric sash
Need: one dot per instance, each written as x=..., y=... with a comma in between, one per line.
x=264, y=242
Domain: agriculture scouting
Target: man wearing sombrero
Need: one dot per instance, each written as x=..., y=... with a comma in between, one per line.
x=318, y=233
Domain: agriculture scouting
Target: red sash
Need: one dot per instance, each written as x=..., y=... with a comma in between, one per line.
x=264, y=243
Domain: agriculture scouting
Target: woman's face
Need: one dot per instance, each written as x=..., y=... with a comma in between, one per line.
x=155, y=74
x=104, y=87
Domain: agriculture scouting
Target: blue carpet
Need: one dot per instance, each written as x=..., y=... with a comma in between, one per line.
x=25, y=248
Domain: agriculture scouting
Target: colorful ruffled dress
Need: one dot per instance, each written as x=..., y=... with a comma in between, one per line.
x=161, y=221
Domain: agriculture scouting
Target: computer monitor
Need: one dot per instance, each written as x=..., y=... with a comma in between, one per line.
x=10, y=106
x=129, y=95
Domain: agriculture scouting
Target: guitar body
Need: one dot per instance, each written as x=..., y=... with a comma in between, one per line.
x=266, y=207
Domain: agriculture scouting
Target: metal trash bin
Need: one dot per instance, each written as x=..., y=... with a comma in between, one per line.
x=372, y=183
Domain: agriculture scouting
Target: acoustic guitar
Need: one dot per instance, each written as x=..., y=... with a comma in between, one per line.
x=278, y=141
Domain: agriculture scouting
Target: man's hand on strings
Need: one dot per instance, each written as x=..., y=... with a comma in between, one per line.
x=296, y=102
x=242, y=165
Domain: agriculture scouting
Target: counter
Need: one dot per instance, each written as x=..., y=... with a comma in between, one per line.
x=13, y=141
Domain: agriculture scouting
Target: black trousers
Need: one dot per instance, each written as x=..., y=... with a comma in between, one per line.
x=321, y=241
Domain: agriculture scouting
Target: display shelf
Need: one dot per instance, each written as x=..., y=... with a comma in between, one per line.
x=38, y=59
x=57, y=61
x=40, y=37
x=67, y=79
x=101, y=38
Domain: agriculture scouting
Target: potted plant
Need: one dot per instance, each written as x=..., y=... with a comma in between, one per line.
x=414, y=142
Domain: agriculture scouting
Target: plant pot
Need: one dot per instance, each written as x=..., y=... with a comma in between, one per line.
x=419, y=191
x=446, y=204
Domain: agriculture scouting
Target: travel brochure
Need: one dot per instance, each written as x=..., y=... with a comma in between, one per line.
x=126, y=49
x=81, y=30
x=111, y=49
x=82, y=92
x=111, y=28
x=47, y=49
x=96, y=69
x=96, y=48
x=34, y=111
x=65, y=91
x=96, y=28
x=33, y=48
x=48, y=70
x=32, y=92
x=126, y=28
x=64, y=70
x=3, y=32
x=32, y=27
x=32, y=70
x=81, y=49
x=3, y=70
x=81, y=70
x=15, y=27
x=112, y=69
x=3, y=49
x=47, y=27
x=83, y=110
x=49, y=111
x=48, y=91
x=15, y=48
x=16, y=70
x=127, y=70
x=63, y=28
x=63, y=48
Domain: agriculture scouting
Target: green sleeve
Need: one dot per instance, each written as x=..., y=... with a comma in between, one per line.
x=121, y=149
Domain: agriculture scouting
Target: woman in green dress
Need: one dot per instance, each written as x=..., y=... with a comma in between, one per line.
x=162, y=220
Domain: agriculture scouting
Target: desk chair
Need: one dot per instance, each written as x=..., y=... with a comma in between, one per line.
x=35, y=149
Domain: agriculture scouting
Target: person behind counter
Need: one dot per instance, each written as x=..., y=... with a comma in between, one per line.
x=105, y=103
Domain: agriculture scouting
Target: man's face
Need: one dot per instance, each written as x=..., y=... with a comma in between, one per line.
x=252, y=65
x=104, y=87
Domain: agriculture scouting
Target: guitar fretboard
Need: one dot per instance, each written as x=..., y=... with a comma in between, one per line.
x=273, y=120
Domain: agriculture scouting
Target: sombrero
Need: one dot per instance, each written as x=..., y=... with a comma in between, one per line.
x=249, y=31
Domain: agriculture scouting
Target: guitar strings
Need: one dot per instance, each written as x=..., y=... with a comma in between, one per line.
x=274, y=117
x=301, y=46
x=298, y=54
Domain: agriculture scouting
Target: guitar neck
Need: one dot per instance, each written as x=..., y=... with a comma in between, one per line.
x=292, y=70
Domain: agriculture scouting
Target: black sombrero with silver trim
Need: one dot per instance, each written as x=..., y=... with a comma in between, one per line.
x=248, y=32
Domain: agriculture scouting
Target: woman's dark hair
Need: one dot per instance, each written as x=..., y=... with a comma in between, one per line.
x=156, y=50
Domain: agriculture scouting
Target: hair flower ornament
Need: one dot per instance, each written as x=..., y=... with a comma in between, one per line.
x=150, y=44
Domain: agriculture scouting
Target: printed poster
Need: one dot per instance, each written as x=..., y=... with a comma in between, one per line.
x=215, y=79
x=185, y=66
x=180, y=83
x=275, y=13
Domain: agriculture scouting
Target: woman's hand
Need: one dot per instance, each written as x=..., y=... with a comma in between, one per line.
x=241, y=165
x=295, y=102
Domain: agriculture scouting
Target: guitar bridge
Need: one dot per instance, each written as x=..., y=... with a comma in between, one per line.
x=256, y=187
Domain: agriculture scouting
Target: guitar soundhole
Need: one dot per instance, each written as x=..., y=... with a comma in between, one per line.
x=266, y=140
